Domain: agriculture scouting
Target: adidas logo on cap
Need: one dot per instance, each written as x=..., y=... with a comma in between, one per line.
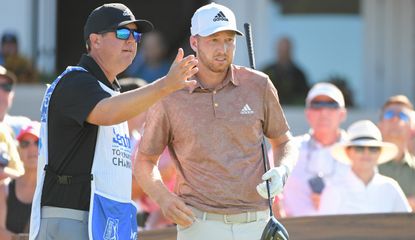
x=220, y=17
x=213, y=18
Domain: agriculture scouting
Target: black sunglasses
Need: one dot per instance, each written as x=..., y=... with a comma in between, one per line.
x=361, y=149
x=7, y=87
x=124, y=33
x=323, y=104
x=25, y=143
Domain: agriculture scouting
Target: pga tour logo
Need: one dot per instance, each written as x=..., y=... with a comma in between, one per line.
x=133, y=235
x=111, y=229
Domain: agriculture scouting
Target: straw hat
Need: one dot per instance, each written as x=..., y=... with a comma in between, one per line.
x=364, y=133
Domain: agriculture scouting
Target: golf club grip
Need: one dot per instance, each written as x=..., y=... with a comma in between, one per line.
x=250, y=44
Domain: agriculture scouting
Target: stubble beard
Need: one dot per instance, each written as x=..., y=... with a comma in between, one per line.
x=216, y=68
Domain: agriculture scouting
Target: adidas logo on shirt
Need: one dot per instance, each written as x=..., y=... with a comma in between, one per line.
x=220, y=17
x=246, y=110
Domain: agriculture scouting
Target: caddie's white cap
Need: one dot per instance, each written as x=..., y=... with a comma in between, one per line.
x=325, y=89
x=213, y=18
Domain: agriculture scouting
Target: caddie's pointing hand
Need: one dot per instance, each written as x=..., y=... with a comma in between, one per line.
x=180, y=71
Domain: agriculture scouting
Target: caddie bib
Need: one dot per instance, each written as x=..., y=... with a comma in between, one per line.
x=112, y=213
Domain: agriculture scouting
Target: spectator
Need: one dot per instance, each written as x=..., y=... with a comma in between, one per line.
x=151, y=63
x=16, y=196
x=7, y=82
x=10, y=164
x=14, y=61
x=315, y=168
x=363, y=190
x=395, y=125
x=150, y=216
x=287, y=76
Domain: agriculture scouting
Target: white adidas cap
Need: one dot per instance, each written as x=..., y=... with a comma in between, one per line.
x=213, y=18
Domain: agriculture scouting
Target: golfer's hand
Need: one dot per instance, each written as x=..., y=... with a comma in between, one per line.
x=180, y=71
x=176, y=211
x=275, y=185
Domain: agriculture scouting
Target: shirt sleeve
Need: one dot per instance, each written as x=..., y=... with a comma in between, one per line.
x=156, y=133
x=77, y=95
x=275, y=123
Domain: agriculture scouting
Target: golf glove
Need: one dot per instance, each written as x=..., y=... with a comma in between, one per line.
x=277, y=176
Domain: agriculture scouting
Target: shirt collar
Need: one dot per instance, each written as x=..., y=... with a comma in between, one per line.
x=356, y=181
x=230, y=78
x=89, y=64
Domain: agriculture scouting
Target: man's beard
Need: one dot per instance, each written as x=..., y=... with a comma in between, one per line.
x=216, y=68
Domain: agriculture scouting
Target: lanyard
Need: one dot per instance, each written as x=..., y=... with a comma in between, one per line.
x=312, y=149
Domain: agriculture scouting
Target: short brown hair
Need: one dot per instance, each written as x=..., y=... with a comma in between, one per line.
x=398, y=99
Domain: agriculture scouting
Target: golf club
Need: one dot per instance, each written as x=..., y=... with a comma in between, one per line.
x=274, y=230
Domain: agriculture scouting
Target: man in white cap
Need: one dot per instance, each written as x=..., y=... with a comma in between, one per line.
x=363, y=189
x=315, y=168
x=85, y=171
x=214, y=133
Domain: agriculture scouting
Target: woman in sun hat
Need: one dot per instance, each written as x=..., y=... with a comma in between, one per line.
x=363, y=190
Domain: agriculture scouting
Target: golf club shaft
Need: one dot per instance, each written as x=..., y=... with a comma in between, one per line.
x=251, y=55
x=250, y=44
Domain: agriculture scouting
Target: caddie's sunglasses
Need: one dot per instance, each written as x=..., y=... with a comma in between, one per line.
x=25, y=143
x=323, y=104
x=389, y=114
x=361, y=149
x=7, y=87
x=124, y=33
